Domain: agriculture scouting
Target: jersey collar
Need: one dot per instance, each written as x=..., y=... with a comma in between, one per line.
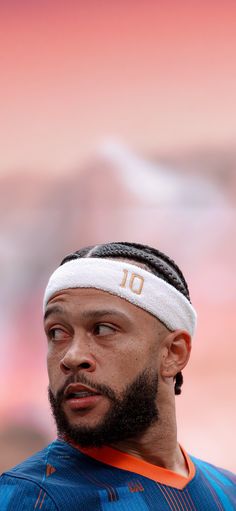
x=124, y=461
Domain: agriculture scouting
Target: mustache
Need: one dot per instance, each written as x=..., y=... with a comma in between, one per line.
x=83, y=380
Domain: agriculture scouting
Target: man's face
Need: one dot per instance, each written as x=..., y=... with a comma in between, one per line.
x=103, y=364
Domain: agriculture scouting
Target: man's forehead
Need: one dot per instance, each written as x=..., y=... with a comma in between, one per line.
x=85, y=296
x=82, y=293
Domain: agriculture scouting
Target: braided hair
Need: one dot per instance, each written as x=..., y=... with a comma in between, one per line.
x=155, y=261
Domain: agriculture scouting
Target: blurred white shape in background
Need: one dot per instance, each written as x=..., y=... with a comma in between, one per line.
x=158, y=184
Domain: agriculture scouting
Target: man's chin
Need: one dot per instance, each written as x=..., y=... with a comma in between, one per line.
x=82, y=423
x=83, y=435
x=86, y=414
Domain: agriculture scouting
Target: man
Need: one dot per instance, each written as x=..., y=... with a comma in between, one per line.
x=119, y=323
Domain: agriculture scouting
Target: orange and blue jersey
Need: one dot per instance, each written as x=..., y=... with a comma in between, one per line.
x=64, y=478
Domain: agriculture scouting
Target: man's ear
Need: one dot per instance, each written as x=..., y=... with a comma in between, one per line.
x=176, y=352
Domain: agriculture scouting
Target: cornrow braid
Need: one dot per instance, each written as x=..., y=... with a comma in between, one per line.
x=155, y=261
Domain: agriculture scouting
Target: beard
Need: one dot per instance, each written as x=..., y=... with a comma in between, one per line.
x=128, y=416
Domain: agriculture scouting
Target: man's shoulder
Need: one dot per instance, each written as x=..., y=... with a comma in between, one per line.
x=31, y=466
x=40, y=465
x=37, y=480
x=21, y=486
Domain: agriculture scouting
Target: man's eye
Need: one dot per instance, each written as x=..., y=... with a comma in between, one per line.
x=57, y=334
x=102, y=329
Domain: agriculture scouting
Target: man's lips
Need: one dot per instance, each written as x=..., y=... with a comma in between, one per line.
x=77, y=390
x=79, y=397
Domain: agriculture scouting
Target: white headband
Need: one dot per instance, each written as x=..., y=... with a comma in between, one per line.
x=127, y=281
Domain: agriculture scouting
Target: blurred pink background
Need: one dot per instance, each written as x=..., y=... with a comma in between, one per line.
x=118, y=122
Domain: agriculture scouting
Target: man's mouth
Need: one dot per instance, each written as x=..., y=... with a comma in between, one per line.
x=80, y=396
x=77, y=390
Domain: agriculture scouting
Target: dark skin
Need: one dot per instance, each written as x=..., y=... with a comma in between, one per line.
x=110, y=341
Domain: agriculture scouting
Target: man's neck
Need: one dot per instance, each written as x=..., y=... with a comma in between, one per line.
x=158, y=445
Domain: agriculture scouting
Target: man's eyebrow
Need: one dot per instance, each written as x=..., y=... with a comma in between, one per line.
x=53, y=310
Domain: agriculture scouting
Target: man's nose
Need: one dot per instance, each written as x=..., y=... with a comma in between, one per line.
x=77, y=357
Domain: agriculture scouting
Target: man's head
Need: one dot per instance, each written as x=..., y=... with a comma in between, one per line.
x=118, y=340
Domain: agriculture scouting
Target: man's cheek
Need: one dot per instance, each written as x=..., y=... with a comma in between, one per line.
x=54, y=378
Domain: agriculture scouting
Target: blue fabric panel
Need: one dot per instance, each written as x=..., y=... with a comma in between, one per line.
x=218, y=489
x=218, y=474
x=6, y=493
x=127, y=501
